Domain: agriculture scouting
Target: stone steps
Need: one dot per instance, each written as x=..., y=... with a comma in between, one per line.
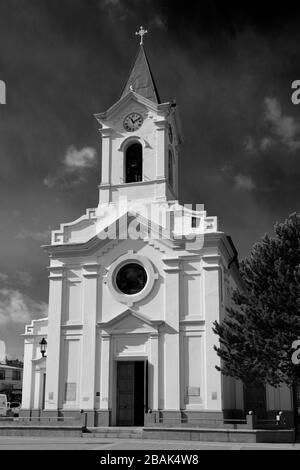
x=115, y=432
x=192, y=434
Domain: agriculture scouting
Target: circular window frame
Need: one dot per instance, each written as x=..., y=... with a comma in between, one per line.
x=130, y=299
x=137, y=289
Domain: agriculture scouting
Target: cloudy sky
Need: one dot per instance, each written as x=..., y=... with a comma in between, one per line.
x=230, y=70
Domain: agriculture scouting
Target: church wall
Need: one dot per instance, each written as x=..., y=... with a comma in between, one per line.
x=192, y=370
x=72, y=307
x=143, y=190
x=153, y=305
x=77, y=305
x=70, y=389
x=191, y=290
x=212, y=312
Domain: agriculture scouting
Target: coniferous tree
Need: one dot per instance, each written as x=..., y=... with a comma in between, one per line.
x=257, y=334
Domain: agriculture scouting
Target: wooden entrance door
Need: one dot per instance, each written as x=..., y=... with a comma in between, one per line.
x=132, y=394
x=125, y=393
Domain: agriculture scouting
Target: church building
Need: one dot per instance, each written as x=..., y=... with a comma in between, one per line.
x=135, y=285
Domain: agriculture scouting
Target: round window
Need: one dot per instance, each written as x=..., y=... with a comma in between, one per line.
x=131, y=278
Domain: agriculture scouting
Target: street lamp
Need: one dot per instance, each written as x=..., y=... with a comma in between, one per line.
x=43, y=347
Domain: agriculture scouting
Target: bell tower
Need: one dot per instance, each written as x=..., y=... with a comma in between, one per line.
x=141, y=137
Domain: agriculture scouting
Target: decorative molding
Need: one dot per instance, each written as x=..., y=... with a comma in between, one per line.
x=110, y=326
x=172, y=265
x=60, y=236
x=130, y=96
x=105, y=336
x=75, y=326
x=161, y=124
x=131, y=139
x=192, y=321
x=106, y=132
x=90, y=270
x=56, y=272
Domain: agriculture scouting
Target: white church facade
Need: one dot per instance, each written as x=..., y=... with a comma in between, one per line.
x=135, y=285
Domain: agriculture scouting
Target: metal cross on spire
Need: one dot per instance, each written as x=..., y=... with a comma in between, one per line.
x=141, y=33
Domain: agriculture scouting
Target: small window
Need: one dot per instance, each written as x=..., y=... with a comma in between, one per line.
x=16, y=375
x=134, y=163
x=195, y=222
x=2, y=374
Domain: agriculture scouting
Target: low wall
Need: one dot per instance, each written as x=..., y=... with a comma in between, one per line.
x=38, y=431
x=220, y=435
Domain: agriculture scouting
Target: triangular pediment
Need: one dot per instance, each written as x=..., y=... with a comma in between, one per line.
x=130, y=321
x=124, y=102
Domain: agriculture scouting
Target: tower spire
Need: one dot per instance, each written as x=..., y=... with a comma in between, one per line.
x=141, y=80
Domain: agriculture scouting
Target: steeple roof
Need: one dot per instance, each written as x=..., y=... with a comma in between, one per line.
x=141, y=80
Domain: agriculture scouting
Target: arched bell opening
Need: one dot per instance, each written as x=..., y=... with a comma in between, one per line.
x=170, y=169
x=134, y=163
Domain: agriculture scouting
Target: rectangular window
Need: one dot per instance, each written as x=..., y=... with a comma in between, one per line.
x=195, y=222
x=2, y=374
x=16, y=375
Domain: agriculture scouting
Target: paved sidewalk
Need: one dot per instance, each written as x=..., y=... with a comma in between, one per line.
x=106, y=444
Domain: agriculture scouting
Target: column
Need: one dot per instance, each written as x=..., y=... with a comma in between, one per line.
x=90, y=275
x=52, y=398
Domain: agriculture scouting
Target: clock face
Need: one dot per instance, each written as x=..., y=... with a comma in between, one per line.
x=132, y=122
x=170, y=133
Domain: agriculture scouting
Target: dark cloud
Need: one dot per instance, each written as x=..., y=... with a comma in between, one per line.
x=230, y=68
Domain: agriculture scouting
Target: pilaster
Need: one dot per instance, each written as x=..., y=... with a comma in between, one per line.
x=213, y=378
x=171, y=336
x=104, y=188
x=154, y=376
x=105, y=371
x=27, y=374
x=56, y=282
x=161, y=131
x=90, y=273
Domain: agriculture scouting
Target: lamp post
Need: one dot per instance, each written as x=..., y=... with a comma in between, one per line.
x=43, y=347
